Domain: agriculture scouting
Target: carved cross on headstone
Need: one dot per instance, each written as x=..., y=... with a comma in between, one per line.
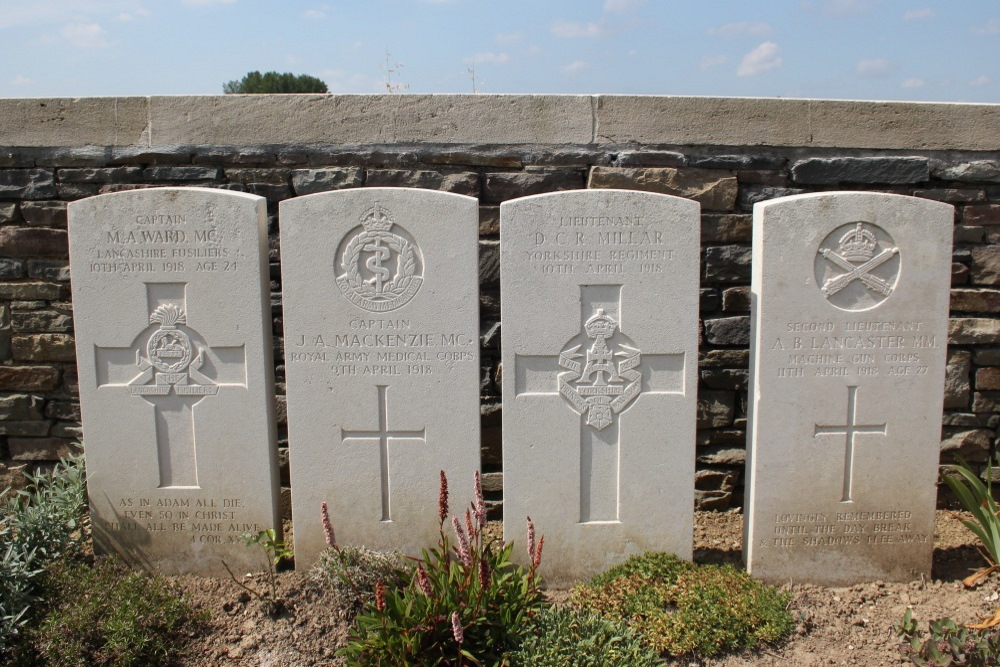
x=170, y=358
x=599, y=373
x=383, y=435
x=849, y=430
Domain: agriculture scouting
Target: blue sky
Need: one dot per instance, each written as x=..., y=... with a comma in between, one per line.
x=932, y=50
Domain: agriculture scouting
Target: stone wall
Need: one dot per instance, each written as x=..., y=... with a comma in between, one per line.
x=726, y=154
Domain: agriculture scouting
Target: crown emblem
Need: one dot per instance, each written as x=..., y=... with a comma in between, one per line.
x=858, y=245
x=377, y=219
x=168, y=315
x=600, y=325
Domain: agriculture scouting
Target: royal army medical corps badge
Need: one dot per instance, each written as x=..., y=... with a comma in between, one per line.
x=379, y=266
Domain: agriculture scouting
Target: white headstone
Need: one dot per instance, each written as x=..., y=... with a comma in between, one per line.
x=381, y=312
x=600, y=356
x=850, y=311
x=173, y=341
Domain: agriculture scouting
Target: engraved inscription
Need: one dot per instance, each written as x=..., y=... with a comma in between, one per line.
x=171, y=378
x=208, y=520
x=857, y=266
x=381, y=269
x=843, y=529
x=850, y=430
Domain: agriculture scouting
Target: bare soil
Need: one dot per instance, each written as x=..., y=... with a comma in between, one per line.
x=836, y=626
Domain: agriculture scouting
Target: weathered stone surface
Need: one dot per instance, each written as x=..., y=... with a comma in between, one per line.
x=740, y=162
x=369, y=433
x=832, y=170
x=725, y=228
x=861, y=426
x=65, y=410
x=952, y=195
x=257, y=175
x=175, y=381
x=973, y=445
x=956, y=379
x=461, y=183
x=973, y=331
x=709, y=299
x=736, y=299
x=963, y=419
x=44, y=213
x=74, y=191
x=489, y=220
x=21, y=407
x=975, y=170
x=985, y=402
x=9, y=212
x=975, y=300
x=988, y=379
x=734, y=379
x=166, y=173
x=11, y=268
x=721, y=480
x=728, y=330
x=714, y=190
x=27, y=184
x=33, y=242
x=25, y=428
x=474, y=156
x=715, y=409
x=725, y=359
x=649, y=159
x=46, y=321
x=727, y=264
x=986, y=356
x=27, y=291
x=985, y=268
x=39, y=449
x=712, y=501
x=99, y=175
x=500, y=186
x=753, y=194
x=28, y=378
x=43, y=347
x=724, y=455
x=66, y=430
x=959, y=274
x=48, y=269
x=595, y=503
x=489, y=264
x=969, y=235
x=311, y=181
x=984, y=214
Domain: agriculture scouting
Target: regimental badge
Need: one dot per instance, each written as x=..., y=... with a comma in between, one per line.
x=172, y=361
x=604, y=380
x=857, y=266
x=382, y=266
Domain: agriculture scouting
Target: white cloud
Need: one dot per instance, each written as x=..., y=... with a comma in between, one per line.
x=765, y=57
x=622, y=6
x=133, y=14
x=314, y=14
x=84, y=35
x=991, y=27
x=914, y=82
x=917, y=14
x=20, y=80
x=508, y=37
x=573, y=67
x=873, y=67
x=980, y=80
x=576, y=29
x=489, y=57
x=708, y=62
x=741, y=28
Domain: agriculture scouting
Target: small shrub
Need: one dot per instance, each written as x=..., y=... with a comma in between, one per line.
x=352, y=574
x=680, y=608
x=105, y=614
x=275, y=551
x=977, y=498
x=565, y=637
x=466, y=603
x=947, y=643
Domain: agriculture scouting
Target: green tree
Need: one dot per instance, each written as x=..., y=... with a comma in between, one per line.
x=274, y=82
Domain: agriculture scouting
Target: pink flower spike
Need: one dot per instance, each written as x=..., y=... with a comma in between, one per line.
x=331, y=539
x=531, y=539
x=456, y=628
x=536, y=559
x=468, y=524
x=443, y=499
x=379, y=595
x=463, y=542
x=480, y=503
x=484, y=573
x=423, y=581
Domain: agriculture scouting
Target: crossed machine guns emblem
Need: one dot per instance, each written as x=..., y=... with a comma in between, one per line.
x=857, y=257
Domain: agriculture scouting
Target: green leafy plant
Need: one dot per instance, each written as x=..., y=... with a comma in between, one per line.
x=105, y=614
x=274, y=82
x=466, y=603
x=276, y=551
x=977, y=499
x=948, y=643
x=567, y=637
x=44, y=522
x=682, y=608
x=352, y=574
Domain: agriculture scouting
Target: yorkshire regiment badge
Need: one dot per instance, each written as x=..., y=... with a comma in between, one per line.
x=857, y=266
x=170, y=362
x=604, y=380
x=381, y=266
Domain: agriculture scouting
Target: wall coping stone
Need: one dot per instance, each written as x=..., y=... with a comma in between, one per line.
x=582, y=120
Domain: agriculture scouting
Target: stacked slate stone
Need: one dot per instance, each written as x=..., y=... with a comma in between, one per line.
x=39, y=413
